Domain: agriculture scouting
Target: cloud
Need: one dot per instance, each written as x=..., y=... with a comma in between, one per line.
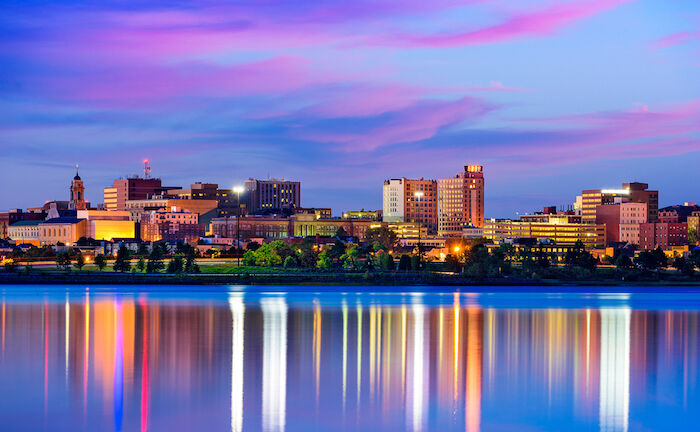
x=541, y=22
x=676, y=39
x=419, y=121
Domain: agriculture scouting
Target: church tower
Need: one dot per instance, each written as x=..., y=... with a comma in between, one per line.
x=77, y=193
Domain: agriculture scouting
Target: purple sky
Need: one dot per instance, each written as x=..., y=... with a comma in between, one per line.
x=551, y=96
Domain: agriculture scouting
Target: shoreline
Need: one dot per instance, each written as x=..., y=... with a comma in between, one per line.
x=316, y=279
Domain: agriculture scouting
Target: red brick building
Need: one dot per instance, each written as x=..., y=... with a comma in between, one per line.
x=662, y=234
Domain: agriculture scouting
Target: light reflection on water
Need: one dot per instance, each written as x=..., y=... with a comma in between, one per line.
x=232, y=360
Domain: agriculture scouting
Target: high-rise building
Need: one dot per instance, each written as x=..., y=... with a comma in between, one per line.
x=272, y=194
x=77, y=193
x=227, y=199
x=631, y=216
x=461, y=201
x=409, y=200
x=630, y=192
x=128, y=189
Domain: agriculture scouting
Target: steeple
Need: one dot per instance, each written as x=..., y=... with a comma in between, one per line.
x=77, y=193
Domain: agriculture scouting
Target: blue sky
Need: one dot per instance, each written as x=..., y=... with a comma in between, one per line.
x=551, y=96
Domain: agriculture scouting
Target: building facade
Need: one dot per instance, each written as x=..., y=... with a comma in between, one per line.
x=556, y=230
x=172, y=224
x=662, y=234
x=108, y=225
x=630, y=192
x=16, y=215
x=227, y=199
x=123, y=190
x=272, y=194
x=375, y=215
x=461, y=201
x=25, y=232
x=631, y=216
x=65, y=230
x=411, y=200
x=298, y=225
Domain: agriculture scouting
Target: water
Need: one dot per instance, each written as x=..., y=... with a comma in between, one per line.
x=274, y=358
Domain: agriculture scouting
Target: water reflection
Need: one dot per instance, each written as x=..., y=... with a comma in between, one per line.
x=84, y=361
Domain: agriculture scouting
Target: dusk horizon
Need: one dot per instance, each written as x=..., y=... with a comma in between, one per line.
x=550, y=97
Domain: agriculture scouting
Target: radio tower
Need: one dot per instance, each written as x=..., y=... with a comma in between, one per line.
x=146, y=169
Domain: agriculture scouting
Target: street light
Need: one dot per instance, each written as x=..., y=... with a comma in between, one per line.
x=418, y=195
x=238, y=190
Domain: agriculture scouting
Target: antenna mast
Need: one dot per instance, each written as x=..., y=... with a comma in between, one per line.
x=146, y=169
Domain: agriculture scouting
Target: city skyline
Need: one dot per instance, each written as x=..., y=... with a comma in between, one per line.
x=343, y=95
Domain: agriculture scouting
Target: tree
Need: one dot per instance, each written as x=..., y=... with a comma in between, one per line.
x=479, y=263
x=175, y=265
x=249, y=258
x=290, y=262
x=384, y=236
x=266, y=255
x=623, y=262
x=694, y=258
x=143, y=250
x=101, y=261
x=252, y=246
x=122, y=263
x=190, y=264
x=79, y=261
x=63, y=261
x=646, y=260
x=452, y=264
x=415, y=262
x=693, y=236
x=684, y=266
x=141, y=265
x=660, y=257
x=405, y=263
x=155, y=259
x=337, y=250
x=324, y=262
x=341, y=233
x=579, y=257
x=351, y=257
x=384, y=261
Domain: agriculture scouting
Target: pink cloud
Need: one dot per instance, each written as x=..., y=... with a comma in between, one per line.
x=676, y=39
x=538, y=23
x=417, y=122
x=141, y=86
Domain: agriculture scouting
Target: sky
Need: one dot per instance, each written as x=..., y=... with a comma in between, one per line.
x=552, y=97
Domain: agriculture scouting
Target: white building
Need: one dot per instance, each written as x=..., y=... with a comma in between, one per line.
x=393, y=200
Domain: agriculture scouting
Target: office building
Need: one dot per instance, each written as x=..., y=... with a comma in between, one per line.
x=108, y=225
x=559, y=229
x=461, y=201
x=171, y=224
x=630, y=192
x=663, y=234
x=227, y=199
x=375, y=215
x=123, y=190
x=16, y=215
x=65, y=230
x=631, y=216
x=410, y=200
x=24, y=232
x=273, y=194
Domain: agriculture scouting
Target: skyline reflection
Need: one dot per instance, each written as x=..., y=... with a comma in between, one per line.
x=353, y=362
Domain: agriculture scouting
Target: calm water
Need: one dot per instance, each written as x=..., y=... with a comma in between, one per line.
x=166, y=359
